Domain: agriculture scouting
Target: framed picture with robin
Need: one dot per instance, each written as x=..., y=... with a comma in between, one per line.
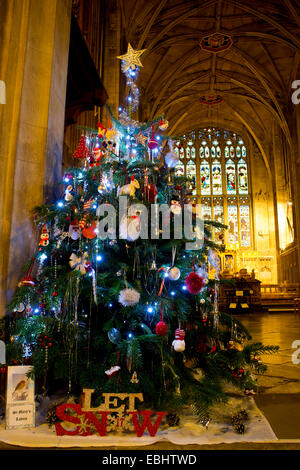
x=20, y=403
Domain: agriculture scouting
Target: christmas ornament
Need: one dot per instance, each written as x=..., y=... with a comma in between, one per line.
x=88, y=204
x=161, y=328
x=141, y=139
x=175, y=207
x=74, y=230
x=174, y=273
x=129, y=297
x=89, y=230
x=149, y=191
x=179, y=334
x=112, y=371
x=172, y=419
x=163, y=124
x=20, y=308
x=82, y=222
x=131, y=59
x=129, y=189
x=68, y=195
x=179, y=343
x=28, y=281
x=134, y=378
x=152, y=142
x=171, y=157
x=82, y=151
x=194, y=283
x=44, y=238
x=44, y=341
x=79, y=263
x=130, y=227
x=114, y=335
x=214, y=259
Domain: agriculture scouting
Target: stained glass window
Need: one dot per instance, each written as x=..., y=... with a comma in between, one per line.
x=179, y=169
x=218, y=217
x=205, y=177
x=245, y=225
x=242, y=177
x=191, y=174
x=206, y=208
x=216, y=177
x=233, y=226
x=221, y=158
x=230, y=177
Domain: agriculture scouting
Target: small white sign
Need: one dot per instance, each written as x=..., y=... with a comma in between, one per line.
x=20, y=403
x=20, y=416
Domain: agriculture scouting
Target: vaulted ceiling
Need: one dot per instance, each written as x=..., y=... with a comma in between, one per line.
x=253, y=76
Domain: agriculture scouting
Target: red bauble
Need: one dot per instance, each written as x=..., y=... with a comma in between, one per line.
x=54, y=294
x=161, y=328
x=194, y=283
x=152, y=144
x=89, y=231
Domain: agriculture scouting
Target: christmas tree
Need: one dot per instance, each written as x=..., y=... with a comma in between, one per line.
x=116, y=299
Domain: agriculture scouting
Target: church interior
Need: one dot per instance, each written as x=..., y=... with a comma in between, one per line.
x=225, y=73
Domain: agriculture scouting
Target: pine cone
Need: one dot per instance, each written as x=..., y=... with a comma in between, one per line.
x=239, y=428
x=172, y=419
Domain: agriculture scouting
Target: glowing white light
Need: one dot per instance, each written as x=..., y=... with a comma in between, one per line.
x=149, y=309
x=43, y=257
x=99, y=258
x=60, y=204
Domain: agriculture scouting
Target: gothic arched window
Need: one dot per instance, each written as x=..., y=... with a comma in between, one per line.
x=216, y=163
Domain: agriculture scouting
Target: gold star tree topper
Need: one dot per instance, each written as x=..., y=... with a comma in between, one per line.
x=131, y=58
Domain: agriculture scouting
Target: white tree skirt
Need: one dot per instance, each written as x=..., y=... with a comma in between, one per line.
x=188, y=432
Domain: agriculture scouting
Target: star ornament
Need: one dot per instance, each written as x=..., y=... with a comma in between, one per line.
x=141, y=139
x=131, y=58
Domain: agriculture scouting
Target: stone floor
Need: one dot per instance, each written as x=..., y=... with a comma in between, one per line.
x=279, y=394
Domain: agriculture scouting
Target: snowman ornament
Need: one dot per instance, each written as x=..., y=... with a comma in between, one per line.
x=179, y=343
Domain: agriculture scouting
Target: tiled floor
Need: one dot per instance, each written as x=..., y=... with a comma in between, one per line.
x=279, y=395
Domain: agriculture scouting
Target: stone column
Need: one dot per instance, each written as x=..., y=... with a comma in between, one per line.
x=34, y=43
